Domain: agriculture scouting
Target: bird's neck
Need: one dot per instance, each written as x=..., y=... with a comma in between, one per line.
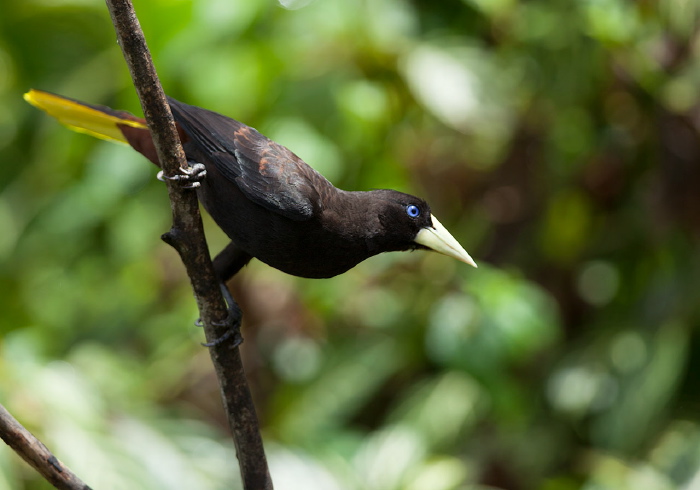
x=355, y=215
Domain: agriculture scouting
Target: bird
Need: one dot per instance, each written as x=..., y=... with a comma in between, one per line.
x=271, y=204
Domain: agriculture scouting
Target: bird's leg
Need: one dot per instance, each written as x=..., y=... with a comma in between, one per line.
x=193, y=175
x=229, y=261
x=232, y=321
x=226, y=264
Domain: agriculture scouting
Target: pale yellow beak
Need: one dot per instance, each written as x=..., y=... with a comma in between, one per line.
x=437, y=238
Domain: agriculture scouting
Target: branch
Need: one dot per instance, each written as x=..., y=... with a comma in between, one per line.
x=36, y=454
x=187, y=237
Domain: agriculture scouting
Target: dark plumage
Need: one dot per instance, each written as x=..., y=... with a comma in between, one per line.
x=270, y=203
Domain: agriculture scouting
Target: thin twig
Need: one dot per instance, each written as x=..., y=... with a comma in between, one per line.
x=187, y=237
x=36, y=454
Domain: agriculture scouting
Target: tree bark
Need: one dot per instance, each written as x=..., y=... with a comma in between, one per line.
x=187, y=237
x=36, y=454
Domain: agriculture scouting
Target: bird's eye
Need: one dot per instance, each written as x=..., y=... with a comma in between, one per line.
x=412, y=210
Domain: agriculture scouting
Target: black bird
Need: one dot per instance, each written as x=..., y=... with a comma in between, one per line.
x=271, y=204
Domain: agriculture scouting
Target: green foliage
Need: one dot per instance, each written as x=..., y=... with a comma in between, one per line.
x=557, y=140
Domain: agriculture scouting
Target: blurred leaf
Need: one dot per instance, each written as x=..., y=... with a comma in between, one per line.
x=558, y=141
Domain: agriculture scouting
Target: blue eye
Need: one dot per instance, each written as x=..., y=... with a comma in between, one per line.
x=412, y=210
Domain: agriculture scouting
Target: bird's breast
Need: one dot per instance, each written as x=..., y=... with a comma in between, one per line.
x=312, y=248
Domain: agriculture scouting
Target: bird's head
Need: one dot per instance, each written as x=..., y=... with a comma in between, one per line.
x=408, y=224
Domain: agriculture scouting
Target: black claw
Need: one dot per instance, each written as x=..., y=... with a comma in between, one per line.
x=234, y=332
x=232, y=321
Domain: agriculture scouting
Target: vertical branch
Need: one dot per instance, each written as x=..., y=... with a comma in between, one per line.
x=187, y=237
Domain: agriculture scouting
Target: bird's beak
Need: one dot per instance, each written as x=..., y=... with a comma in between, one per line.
x=437, y=238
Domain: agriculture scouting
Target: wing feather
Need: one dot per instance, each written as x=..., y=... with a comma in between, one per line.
x=266, y=172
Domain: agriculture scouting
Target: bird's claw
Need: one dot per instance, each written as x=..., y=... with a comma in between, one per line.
x=232, y=321
x=192, y=175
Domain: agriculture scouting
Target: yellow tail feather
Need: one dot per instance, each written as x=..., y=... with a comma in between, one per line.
x=97, y=121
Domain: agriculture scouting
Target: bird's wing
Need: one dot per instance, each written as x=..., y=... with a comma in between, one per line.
x=267, y=173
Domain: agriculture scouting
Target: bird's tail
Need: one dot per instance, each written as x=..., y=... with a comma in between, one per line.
x=100, y=121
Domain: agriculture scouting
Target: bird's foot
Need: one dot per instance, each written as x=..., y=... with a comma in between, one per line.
x=233, y=324
x=192, y=175
x=232, y=321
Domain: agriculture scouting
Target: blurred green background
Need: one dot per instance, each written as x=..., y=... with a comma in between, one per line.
x=558, y=141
